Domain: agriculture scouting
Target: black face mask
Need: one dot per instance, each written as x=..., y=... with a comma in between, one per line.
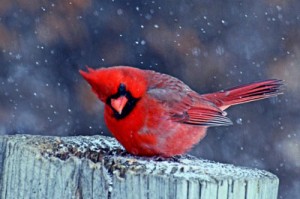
x=129, y=105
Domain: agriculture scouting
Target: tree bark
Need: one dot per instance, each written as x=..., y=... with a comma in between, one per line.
x=98, y=167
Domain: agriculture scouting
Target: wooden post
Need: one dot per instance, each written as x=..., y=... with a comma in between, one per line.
x=97, y=167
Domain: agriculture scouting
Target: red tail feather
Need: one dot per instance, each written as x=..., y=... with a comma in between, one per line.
x=245, y=93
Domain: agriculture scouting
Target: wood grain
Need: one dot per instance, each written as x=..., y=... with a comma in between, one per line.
x=98, y=167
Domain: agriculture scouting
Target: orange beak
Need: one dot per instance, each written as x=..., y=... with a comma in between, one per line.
x=119, y=103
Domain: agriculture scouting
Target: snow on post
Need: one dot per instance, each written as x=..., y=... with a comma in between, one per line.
x=97, y=167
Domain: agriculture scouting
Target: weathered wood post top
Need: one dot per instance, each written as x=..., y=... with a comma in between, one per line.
x=98, y=167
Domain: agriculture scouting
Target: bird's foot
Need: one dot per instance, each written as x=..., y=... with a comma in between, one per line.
x=175, y=158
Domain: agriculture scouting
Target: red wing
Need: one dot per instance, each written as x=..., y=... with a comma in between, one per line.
x=183, y=104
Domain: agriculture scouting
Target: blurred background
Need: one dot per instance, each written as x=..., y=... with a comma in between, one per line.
x=210, y=45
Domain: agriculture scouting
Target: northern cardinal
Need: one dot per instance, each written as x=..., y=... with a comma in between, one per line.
x=154, y=114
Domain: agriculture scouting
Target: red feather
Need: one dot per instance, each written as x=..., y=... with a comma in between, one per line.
x=163, y=116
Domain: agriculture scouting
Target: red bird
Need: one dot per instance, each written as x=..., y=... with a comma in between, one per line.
x=152, y=114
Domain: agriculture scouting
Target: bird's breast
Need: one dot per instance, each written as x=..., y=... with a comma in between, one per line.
x=129, y=131
x=149, y=131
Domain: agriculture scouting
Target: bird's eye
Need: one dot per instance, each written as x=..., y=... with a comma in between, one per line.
x=122, y=89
